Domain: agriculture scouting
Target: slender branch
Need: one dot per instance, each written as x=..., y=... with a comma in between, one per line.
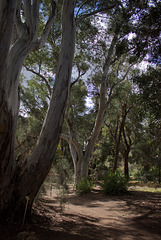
x=77, y=79
x=116, y=128
x=87, y=1
x=110, y=131
x=83, y=16
x=125, y=75
x=41, y=76
x=118, y=82
x=48, y=25
x=73, y=141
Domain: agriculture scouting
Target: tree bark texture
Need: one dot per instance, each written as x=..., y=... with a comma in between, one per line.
x=34, y=171
x=27, y=177
x=7, y=165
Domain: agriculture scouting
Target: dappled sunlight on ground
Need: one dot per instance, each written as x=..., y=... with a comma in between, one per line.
x=94, y=216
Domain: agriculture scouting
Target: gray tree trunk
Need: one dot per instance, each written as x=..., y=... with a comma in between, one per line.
x=81, y=158
x=26, y=178
x=7, y=164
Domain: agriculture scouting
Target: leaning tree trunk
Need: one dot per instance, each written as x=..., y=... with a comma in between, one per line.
x=34, y=171
x=23, y=40
x=28, y=176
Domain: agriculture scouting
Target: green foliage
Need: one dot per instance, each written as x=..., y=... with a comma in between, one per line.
x=151, y=174
x=114, y=183
x=84, y=186
x=63, y=172
x=149, y=84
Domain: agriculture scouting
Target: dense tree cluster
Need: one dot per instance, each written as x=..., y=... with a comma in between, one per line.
x=76, y=52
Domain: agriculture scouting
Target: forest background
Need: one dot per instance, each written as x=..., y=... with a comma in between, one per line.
x=92, y=50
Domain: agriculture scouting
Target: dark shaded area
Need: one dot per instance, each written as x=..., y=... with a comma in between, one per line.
x=49, y=223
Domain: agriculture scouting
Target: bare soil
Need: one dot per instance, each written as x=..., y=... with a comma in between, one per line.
x=93, y=216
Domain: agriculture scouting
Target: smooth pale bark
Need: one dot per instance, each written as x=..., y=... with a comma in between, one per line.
x=34, y=171
x=81, y=157
x=77, y=156
x=27, y=177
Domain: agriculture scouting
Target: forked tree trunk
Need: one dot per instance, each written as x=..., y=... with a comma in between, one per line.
x=81, y=157
x=117, y=136
x=26, y=178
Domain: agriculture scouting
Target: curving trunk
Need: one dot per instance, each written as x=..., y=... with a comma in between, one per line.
x=19, y=183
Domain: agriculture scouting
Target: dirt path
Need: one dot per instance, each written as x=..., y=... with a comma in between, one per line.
x=94, y=216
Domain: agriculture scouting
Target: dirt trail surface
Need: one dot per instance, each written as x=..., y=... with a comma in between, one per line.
x=94, y=216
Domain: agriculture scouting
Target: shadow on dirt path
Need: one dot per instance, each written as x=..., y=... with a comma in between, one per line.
x=132, y=217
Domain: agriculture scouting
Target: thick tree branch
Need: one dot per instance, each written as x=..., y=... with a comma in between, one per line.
x=35, y=14
x=28, y=16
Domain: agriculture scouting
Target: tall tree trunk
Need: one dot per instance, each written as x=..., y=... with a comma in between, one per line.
x=27, y=177
x=128, y=144
x=77, y=161
x=117, y=138
x=7, y=164
x=34, y=171
x=83, y=157
x=115, y=162
x=77, y=156
x=126, y=162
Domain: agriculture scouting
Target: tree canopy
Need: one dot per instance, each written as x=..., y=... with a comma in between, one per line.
x=75, y=51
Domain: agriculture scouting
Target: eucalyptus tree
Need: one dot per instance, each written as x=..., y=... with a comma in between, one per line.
x=111, y=54
x=20, y=34
x=126, y=21
x=149, y=85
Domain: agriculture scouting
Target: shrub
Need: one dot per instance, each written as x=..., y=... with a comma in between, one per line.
x=114, y=184
x=84, y=186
